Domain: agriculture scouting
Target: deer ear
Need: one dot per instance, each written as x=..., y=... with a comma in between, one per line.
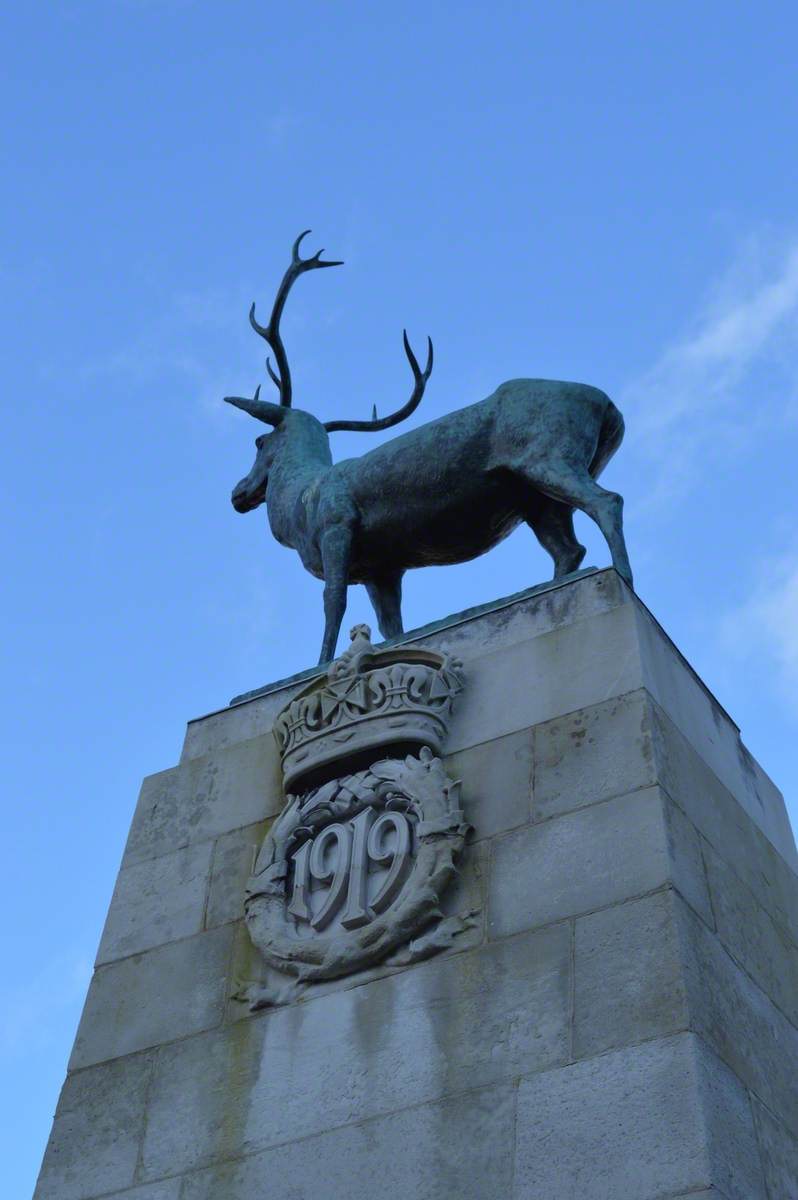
x=263, y=410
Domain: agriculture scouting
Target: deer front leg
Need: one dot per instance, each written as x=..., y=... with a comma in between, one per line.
x=336, y=547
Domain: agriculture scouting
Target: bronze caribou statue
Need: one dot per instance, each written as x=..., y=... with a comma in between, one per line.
x=443, y=493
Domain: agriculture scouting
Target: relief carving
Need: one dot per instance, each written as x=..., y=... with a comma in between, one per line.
x=352, y=871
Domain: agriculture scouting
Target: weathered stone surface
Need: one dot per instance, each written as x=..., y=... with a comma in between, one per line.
x=578, y=862
x=465, y=898
x=165, y=1189
x=466, y=635
x=628, y=975
x=688, y=873
x=540, y=610
x=724, y=823
x=582, y=664
x=233, y=859
x=475, y=1019
x=459, y=1148
x=230, y=726
x=632, y=1124
x=753, y=938
x=97, y=1131
x=779, y=1152
x=735, y=1163
x=156, y=901
x=468, y=893
x=151, y=998
x=692, y=708
x=593, y=754
x=624, y=1124
x=711, y=1194
x=205, y=798
x=496, y=783
x=584, y=661
x=589, y=610
x=400, y=1080
x=740, y=1022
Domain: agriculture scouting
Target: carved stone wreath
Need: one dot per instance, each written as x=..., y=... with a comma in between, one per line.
x=352, y=871
x=421, y=801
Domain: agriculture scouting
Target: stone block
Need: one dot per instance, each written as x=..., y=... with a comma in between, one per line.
x=218, y=731
x=642, y=1123
x=704, y=1194
x=468, y=635
x=233, y=859
x=155, y=901
x=475, y=1019
x=710, y=731
x=96, y=1136
x=154, y=997
x=593, y=754
x=628, y=975
x=165, y=1189
x=579, y=862
x=711, y=1194
x=738, y=1020
x=725, y=824
x=206, y=798
x=753, y=938
x=735, y=1162
x=527, y=615
x=460, y=1148
x=570, y=668
x=779, y=1151
x=688, y=873
x=497, y=783
x=768, y=799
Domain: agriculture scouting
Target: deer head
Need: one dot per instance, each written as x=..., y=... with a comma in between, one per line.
x=293, y=426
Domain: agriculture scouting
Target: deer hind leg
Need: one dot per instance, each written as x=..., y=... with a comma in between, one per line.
x=574, y=486
x=552, y=523
x=385, y=594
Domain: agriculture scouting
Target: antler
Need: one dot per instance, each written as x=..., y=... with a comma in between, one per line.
x=420, y=377
x=264, y=410
x=271, y=332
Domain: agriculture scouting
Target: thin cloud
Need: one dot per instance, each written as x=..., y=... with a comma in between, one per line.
x=766, y=624
x=197, y=339
x=184, y=348
x=731, y=377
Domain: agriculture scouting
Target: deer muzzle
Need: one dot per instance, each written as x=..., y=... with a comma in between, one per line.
x=247, y=496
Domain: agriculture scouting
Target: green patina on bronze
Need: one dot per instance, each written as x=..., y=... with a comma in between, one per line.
x=443, y=493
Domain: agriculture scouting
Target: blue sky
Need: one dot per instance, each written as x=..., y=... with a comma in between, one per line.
x=596, y=191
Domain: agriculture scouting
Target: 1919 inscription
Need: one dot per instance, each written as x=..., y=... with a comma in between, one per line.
x=344, y=856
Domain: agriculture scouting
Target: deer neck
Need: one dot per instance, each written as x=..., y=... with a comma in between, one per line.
x=294, y=476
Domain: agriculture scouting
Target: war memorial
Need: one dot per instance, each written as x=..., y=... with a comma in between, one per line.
x=500, y=908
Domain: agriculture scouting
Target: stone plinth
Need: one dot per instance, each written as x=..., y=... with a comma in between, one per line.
x=619, y=1023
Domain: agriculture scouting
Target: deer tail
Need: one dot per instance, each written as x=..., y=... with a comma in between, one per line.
x=609, y=439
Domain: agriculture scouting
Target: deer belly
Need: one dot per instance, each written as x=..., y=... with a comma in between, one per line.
x=419, y=537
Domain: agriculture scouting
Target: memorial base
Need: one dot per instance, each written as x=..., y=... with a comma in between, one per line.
x=618, y=1022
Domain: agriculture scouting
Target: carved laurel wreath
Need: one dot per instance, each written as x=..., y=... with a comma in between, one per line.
x=417, y=786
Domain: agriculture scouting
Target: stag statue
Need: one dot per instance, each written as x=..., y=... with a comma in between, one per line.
x=443, y=493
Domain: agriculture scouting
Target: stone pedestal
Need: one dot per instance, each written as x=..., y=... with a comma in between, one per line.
x=620, y=1021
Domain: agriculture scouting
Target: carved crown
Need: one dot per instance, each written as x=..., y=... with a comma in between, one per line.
x=369, y=699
